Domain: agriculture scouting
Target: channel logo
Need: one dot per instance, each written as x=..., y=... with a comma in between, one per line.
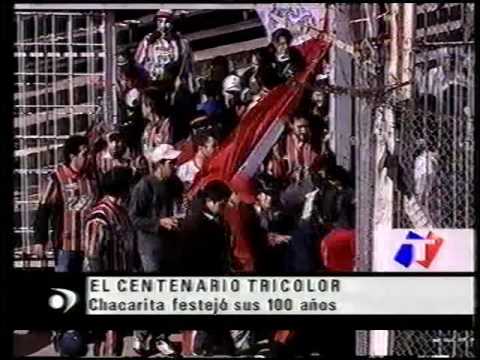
x=63, y=299
x=419, y=249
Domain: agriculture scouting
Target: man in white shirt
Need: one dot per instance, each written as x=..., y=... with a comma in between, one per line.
x=205, y=145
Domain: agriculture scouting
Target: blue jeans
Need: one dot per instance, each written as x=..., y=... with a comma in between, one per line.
x=69, y=261
x=300, y=257
x=150, y=263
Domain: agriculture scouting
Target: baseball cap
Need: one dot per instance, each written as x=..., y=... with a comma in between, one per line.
x=163, y=152
x=232, y=83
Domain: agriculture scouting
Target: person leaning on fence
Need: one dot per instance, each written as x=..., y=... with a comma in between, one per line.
x=111, y=245
x=71, y=192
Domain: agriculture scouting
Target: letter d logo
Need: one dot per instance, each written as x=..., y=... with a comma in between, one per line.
x=63, y=300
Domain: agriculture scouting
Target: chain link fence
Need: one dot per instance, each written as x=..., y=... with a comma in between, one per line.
x=433, y=343
x=433, y=168
x=435, y=150
x=435, y=143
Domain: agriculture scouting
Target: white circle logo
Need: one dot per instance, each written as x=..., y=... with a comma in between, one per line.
x=56, y=302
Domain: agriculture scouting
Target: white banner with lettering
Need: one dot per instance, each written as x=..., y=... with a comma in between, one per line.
x=326, y=295
x=299, y=18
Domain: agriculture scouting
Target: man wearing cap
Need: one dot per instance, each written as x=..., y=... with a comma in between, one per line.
x=151, y=210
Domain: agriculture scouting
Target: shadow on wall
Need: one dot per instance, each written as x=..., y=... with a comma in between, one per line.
x=29, y=342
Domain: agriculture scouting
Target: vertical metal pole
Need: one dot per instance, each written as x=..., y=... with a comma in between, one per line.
x=454, y=118
x=90, y=69
x=108, y=67
x=342, y=106
x=36, y=155
x=44, y=90
x=21, y=115
x=116, y=118
x=54, y=90
x=70, y=72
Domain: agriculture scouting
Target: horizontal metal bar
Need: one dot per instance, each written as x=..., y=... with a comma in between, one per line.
x=59, y=85
x=429, y=7
x=31, y=83
x=33, y=171
x=37, y=118
x=30, y=13
x=40, y=137
x=57, y=74
x=23, y=43
x=28, y=231
x=424, y=44
x=36, y=150
x=147, y=6
x=54, y=106
x=436, y=29
x=26, y=202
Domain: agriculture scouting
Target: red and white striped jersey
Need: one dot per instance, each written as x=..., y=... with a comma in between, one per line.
x=110, y=241
x=299, y=154
x=159, y=132
x=106, y=162
x=70, y=195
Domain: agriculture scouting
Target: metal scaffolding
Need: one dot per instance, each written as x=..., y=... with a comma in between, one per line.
x=60, y=79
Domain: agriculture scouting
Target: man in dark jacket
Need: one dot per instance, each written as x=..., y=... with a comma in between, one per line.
x=204, y=246
x=208, y=254
x=274, y=227
x=151, y=211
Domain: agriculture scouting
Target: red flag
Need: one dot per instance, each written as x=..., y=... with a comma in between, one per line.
x=279, y=102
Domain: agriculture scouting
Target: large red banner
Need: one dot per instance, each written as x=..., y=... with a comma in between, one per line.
x=275, y=106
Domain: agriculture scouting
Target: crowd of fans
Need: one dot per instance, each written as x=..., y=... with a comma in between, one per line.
x=121, y=200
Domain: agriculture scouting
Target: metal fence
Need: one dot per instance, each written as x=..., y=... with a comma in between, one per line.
x=435, y=149
x=59, y=92
x=433, y=343
x=434, y=145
